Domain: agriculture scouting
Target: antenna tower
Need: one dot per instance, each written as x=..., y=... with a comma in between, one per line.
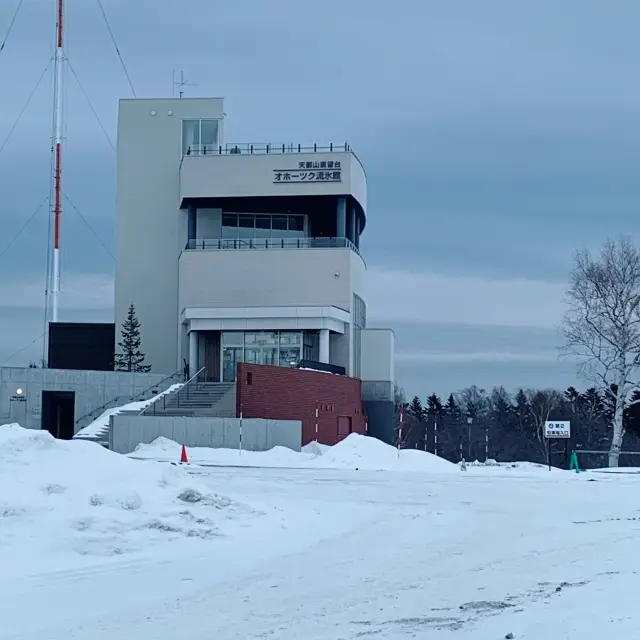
x=179, y=83
x=53, y=273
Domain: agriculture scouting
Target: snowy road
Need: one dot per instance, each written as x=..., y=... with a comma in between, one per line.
x=344, y=555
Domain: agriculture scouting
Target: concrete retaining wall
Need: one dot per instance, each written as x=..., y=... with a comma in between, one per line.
x=92, y=389
x=127, y=432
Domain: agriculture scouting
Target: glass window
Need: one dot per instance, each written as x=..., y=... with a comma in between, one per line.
x=263, y=229
x=209, y=136
x=229, y=219
x=232, y=338
x=190, y=137
x=266, y=338
x=296, y=223
x=230, y=225
x=289, y=356
x=290, y=338
x=249, y=338
x=253, y=356
x=311, y=346
x=270, y=356
x=278, y=224
x=263, y=223
x=246, y=221
x=246, y=225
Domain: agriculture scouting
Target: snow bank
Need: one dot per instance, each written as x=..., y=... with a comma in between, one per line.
x=521, y=466
x=315, y=448
x=354, y=452
x=363, y=452
x=100, y=425
x=76, y=497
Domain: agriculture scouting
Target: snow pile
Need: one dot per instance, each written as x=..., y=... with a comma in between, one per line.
x=354, y=452
x=365, y=453
x=315, y=448
x=100, y=426
x=60, y=497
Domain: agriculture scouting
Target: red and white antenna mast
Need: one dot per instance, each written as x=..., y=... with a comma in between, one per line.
x=58, y=124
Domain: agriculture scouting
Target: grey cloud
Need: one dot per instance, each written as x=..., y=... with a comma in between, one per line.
x=497, y=136
x=443, y=378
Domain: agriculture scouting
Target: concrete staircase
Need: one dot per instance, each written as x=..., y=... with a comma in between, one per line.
x=197, y=400
x=101, y=436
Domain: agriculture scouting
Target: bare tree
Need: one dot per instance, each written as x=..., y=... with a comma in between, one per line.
x=473, y=402
x=602, y=325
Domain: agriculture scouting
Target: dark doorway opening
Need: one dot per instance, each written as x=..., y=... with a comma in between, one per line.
x=58, y=413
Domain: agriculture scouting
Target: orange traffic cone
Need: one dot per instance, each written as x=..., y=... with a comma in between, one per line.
x=183, y=457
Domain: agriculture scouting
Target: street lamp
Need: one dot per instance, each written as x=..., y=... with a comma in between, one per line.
x=469, y=423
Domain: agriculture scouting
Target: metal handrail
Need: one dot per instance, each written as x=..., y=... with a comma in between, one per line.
x=184, y=387
x=270, y=243
x=255, y=148
x=130, y=398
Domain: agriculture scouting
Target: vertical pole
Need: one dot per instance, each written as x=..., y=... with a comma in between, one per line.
x=316, y=421
x=435, y=434
x=366, y=425
x=400, y=429
x=57, y=150
x=549, y=452
x=486, y=444
x=240, y=449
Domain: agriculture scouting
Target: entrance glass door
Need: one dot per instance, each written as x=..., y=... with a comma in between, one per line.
x=231, y=357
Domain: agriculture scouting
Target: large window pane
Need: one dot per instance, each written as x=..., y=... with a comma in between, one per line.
x=292, y=338
x=230, y=225
x=253, y=356
x=246, y=226
x=209, y=136
x=279, y=226
x=232, y=338
x=296, y=223
x=270, y=356
x=267, y=338
x=311, y=349
x=263, y=230
x=190, y=137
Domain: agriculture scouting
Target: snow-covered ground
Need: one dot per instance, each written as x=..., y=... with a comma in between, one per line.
x=314, y=553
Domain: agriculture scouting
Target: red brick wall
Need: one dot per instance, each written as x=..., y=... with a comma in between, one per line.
x=280, y=393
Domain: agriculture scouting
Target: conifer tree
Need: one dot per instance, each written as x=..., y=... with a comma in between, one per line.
x=129, y=357
x=416, y=409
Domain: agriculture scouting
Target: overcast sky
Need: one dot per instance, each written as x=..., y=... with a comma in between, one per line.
x=497, y=136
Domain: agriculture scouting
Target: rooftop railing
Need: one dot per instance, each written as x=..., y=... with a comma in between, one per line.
x=270, y=243
x=249, y=148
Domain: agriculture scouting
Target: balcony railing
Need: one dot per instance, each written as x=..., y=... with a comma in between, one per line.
x=270, y=243
x=259, y=148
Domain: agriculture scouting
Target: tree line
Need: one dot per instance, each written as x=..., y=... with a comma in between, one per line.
x=473, y=424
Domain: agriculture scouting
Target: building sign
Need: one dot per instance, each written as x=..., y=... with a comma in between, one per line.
x=557, y=429
x=16, y=398
x=317, y=171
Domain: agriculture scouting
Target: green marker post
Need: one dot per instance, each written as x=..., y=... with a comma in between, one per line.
x=573, y=463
